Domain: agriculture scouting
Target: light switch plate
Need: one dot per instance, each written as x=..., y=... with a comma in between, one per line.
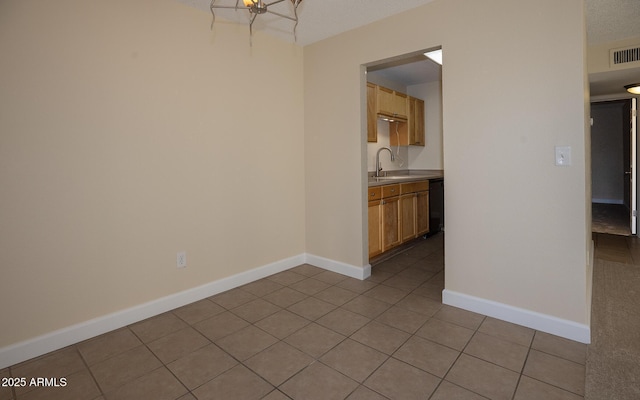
x=563, y=156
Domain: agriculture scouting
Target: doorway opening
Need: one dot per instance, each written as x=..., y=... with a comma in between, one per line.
x=613, y=167
x=404, y=153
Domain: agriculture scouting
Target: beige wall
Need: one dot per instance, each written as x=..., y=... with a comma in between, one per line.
x=126, y=135
x=513, y=88
x=129, y=132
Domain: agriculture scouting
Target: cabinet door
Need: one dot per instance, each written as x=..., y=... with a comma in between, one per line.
x=372, y=117
x=400, y=106
x=385, y=99
x=375, y=228
x=422, y=213
x=408, y=216
x=390, y=222
x=416, y=122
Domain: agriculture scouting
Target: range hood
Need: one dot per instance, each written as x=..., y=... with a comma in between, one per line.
x=391, y=118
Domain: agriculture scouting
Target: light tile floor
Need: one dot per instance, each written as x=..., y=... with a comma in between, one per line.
x=307, y=333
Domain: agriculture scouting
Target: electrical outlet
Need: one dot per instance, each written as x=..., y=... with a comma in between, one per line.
x=182, y=259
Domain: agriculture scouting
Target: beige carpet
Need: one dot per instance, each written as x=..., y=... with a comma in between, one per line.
x=613, y=357
x=610, y=218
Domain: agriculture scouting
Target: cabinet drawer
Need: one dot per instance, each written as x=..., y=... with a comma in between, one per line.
x=413, y=187
x=390, y=190
x=375, y=193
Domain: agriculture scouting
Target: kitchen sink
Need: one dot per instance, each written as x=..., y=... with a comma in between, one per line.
x=393, y=177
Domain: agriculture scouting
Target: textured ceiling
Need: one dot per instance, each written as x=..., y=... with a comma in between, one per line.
x=606, y=20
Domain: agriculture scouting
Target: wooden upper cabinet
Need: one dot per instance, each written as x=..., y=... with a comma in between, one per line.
x=409, y=130
x=372, y=113
x=416, y=122
x=391, y=103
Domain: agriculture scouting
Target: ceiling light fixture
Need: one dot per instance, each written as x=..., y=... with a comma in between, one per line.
x=256, y=7
x=435, y=55
x=634, y=88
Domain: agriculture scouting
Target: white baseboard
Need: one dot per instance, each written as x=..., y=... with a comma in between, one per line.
x=531, y=319
x=40, y=345
x=339, y=267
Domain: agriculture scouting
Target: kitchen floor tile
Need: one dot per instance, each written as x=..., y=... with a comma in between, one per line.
x=246, y=342
x=261, y=287
x=497, y=351
x=381, y=337
x=420, y=304
x=315, y=339
x=310, y=286
x=387, y=294
x=367, y=306
x=198, y=311
x=364, y=393
x=237, y=383
x=118, y=370
x=335, y=295
x=556, y=371
x=484, y=378
x=459, y=317
x=318, y=382
x=356, y=285
x=278, y=363
x=286, y=277
x=233, y=298
x=561, y=347
x=397, y=380
x=159, y=384
x=505, y=330
x=220, y=326
x=202, y=365
x=311, y=308
x=354, y=359
x=402, y=319
x=178, y=344
x=255, y=310
x=343, y=321
x=445, y=333
x=108, y=345
x=307, y=270
x=426, y=355
x=156, y=327
x=449, y=391
x=531, y=389
x=282, y=324
x=285, y=297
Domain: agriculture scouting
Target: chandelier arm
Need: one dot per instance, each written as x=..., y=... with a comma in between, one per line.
x=283, y=15
x=273, y=2
x=211, y=6
x=295, y=14
x=253, y=18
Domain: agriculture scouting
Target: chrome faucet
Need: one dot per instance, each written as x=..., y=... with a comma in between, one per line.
x=378, y=167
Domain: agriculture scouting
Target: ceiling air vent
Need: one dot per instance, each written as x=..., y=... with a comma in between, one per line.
x=627, y=56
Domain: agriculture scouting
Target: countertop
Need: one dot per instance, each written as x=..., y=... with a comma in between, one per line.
x=404, y=176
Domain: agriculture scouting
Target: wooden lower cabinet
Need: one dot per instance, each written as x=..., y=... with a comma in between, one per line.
x=390, y=210
x=397, y=213
x=408, y=216
x=375, y=228
x=422, y=212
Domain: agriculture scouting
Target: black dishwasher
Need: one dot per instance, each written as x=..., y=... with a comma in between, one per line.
x=436, y=205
